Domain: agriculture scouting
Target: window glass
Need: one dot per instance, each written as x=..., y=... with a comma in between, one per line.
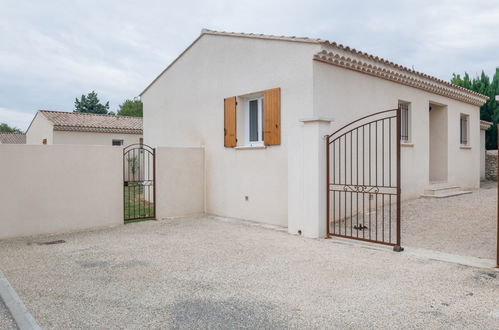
x=117, y=142
x=464, y=130
x=404, y=121
x=253, y=120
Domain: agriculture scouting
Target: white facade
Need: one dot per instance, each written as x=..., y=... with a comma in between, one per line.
x=285, y=184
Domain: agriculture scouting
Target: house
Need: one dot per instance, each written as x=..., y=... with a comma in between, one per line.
x=262, y=104
x=12, y=138
x=57, y=127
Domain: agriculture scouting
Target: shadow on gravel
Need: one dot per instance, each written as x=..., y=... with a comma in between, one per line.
x=226, y=314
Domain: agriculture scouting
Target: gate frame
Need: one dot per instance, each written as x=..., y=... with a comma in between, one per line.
x=397, y=246
x=152, y=152
x=497, y=178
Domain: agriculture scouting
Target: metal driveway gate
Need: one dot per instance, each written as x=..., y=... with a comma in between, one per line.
x=363, y=179
x=139, y=172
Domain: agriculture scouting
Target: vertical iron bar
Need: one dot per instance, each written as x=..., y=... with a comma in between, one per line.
x=339, y=179
x=390, y=179
x=376, y=179
x=351, y=178
x=327, y=186
x=154, y=181
x=363, y=179
x=497, y=237
x=124, y=186
x=346, y=172
x=357, y=180
x=398, y=247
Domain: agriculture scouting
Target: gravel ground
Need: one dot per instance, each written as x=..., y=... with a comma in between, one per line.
x=463, y=225
x=6, y=320
x=213, y=274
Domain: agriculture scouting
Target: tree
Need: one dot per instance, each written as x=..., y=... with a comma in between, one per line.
x=5, y=128
x=91, y=104
x=490, y=110
x=131, y=108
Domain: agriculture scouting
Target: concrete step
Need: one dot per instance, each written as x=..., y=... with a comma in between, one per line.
x=441, y=189
x=447, y=194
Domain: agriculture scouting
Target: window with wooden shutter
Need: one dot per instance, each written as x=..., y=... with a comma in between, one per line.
x=272, y=116
x=230, y=122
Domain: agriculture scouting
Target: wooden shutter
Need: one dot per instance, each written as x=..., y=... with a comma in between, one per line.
x=230, y=122
x=272, y=116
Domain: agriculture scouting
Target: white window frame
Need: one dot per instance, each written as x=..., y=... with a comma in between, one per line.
x=122, y=142
x=467, y=130
x=260, y=101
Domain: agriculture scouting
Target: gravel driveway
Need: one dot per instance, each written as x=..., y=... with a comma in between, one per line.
x=209, y=273
x=6, y=321
x=464, y=225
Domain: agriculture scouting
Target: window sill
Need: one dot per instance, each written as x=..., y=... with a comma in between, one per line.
x=250, y=147
x=464, y=147
x=406, y=144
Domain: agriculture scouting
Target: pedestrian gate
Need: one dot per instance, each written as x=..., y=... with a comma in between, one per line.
x=139, y=173
x=363, y=179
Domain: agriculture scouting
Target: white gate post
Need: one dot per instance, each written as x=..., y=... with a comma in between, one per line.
x=313, y=222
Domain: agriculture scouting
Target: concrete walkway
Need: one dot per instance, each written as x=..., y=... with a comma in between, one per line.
x=208, y=273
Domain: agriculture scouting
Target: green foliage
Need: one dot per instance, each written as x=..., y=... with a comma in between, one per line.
x=490, y=110
x=5, y=128
x=131, y=108
x=91, y=104
x=133, y=164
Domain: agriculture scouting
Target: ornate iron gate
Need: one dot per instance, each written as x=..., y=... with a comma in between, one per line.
x=139, y=173
x=363, y=179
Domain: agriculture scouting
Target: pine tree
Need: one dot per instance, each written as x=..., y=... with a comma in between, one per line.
x=91, y=104
x=131, y=108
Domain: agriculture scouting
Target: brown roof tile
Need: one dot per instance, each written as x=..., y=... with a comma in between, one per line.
x=12, y=138
x=89, y=122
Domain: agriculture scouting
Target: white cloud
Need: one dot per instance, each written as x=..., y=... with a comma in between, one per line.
x=15, y=118
x=53, y=51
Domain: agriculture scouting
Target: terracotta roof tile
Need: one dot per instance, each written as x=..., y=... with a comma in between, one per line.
x=89, y=122
x=12, y=138
x=350, y=58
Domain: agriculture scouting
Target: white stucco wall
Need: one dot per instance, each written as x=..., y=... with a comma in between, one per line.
x=184, y=108
x=347, y=95
x=39, y=129
x=180, y=182
x=56, y=188
x=94, y=138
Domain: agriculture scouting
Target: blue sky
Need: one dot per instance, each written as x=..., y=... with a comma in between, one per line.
x=53, y=51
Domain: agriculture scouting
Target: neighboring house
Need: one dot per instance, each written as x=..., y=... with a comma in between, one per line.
x=484, y=126
x=57, y=127
x=12, y=138
x=261, y=105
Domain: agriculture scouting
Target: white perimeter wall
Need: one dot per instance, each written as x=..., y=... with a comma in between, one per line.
x=94, y=138
x=54, y=188
x=347, y=95
x=185, y=108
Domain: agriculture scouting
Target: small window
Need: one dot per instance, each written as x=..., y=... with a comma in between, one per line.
x=464, y=130
x=117, y=142
x=254, y=122
x=404, y=122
